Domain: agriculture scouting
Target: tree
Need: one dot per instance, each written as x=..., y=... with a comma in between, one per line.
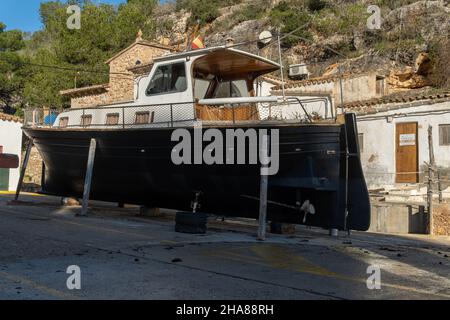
x=105, y=30
x=11, y=68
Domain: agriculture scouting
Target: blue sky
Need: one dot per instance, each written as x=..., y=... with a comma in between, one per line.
x=24, y=14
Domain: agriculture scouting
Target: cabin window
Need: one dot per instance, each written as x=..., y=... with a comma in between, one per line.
x=168, y=79
x=112, y=119
x=63, y=122
x=231, y=89
x=380, y=86
x=361, y=142
x=144, y=117
x=444, y=135
x=86, y=120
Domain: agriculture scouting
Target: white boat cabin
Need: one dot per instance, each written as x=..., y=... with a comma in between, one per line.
x=208, y=85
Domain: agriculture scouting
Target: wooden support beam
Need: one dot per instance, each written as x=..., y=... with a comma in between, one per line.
x=24, y=168
x=88, y=179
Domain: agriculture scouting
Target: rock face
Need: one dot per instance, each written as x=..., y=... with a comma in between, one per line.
x=406, y=79
x=423, y=64
x=411, y=78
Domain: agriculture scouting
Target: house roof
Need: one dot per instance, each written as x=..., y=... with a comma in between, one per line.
x=276, y=81
x=142, y=43
x=141, y=68
x=291, y=84
x=394, y=101
x=78, y=92
x=8, y=117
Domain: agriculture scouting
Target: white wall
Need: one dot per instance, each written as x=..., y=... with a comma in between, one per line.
x=378, y=157
x=11, y=140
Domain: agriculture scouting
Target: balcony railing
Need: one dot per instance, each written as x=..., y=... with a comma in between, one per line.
x=176, y=114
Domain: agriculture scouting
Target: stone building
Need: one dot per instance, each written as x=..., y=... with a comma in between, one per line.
x=394, y=137
x=121, y=80
x=356, y=87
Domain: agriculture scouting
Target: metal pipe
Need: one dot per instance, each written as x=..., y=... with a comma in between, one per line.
x=88, y=179
x=241, y=100
x=281, y=66
x=264, y=184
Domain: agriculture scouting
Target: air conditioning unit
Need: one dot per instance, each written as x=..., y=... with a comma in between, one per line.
x=298, y=71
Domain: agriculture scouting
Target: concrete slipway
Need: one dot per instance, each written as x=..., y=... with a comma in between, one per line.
x=122, y=256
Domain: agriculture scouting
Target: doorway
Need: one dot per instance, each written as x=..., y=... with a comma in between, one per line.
x=406, y=154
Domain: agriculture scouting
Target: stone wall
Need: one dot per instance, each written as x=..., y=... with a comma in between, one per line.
x=441, y=219
x=121, y=81
x=90, y=100
x=32, y=179
x=121, y=85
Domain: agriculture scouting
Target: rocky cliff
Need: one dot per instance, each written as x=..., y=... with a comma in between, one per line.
x=411, y=47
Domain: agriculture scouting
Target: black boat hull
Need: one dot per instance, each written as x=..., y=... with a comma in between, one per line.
x=134, y=166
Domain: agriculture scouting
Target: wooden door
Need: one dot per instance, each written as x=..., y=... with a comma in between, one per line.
x=406, y=154
x=4, y=179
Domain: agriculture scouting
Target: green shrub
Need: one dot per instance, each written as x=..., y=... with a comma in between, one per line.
x=289, y=17
x=316, y=5
x=204, y=11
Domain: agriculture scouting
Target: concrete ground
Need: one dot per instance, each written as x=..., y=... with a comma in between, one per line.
x=122, y=256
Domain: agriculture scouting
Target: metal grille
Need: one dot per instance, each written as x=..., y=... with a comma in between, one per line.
x=164, y=115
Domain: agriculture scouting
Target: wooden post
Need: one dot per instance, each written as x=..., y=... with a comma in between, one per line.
x=430, y=179
x=24, y=168
x=439, y=187
x=88, y=179
x=263, y=189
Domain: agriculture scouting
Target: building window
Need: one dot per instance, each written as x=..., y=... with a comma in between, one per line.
x=444, y=134
x=380, y=86
x=63, y=122
x=86, y=120
x=144, y=117
x=112, y=119
x=168, y=79
x=361, y=141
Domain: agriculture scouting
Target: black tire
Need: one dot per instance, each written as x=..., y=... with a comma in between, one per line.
x=190, y=229
x=192, y=219
x=188, y=222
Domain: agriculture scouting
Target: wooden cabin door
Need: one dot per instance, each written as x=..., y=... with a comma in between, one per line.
x=406, y=154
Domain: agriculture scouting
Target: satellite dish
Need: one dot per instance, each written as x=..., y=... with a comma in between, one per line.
x=265, y=37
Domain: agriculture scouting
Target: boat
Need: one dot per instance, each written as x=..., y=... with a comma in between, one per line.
x=318, y=179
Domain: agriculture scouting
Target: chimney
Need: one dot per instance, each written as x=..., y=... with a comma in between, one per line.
x=139, y=36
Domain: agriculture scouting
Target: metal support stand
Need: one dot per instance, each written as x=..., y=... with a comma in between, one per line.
x=334, y=232
x=431, y=167
x=88, y=179
x=263, y=189
x=24, y=168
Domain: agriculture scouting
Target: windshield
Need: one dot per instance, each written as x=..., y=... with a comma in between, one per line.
x=231, y=89
x=201, y=87
x=168, y=79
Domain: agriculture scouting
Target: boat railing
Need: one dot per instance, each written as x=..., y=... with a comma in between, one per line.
x=241, y=110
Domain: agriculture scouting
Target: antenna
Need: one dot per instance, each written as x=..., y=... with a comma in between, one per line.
x=281, y=64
